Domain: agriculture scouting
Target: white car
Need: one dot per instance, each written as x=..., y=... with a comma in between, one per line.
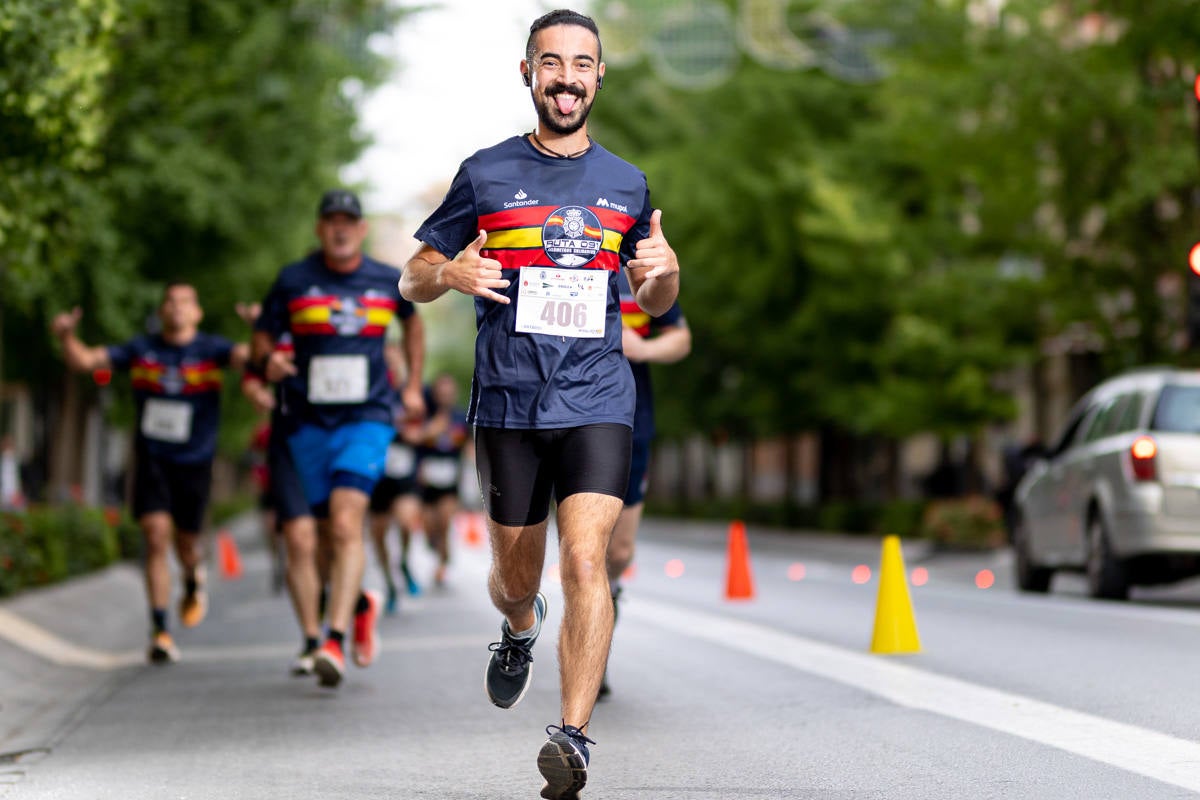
x=1118, y=495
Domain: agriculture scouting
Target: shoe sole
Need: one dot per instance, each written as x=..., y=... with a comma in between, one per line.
x=327, y=671
x=564, y=770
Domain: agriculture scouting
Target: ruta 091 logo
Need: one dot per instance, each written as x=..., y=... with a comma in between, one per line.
x=572, y=236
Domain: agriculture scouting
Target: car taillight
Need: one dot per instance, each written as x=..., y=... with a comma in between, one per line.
x=1141, y=458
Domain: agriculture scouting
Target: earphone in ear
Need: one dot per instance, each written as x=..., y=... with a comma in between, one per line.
x=525, y=78
x=599, y=82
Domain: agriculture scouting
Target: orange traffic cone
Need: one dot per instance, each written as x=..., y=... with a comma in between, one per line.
x=230, y=559
x=739, y=582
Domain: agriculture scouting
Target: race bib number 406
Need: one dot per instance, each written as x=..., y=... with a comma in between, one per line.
x=559, y=302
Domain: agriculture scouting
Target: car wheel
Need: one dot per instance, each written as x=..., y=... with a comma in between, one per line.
x=1106, y=575
x=1031, y=577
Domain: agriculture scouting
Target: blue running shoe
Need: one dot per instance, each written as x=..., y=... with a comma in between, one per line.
x=410, y=583
x=511, y=664
x=389, y=606
x=563, y=762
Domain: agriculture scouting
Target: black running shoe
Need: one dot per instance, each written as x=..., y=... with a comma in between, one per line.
x=511, y=665
x=563, y=762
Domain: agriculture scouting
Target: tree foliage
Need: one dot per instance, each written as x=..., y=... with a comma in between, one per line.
x=870, y=256
x=144, y=141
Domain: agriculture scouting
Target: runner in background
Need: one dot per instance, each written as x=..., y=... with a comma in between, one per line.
x=177, y=376
x=336, y=305
x=396, y=497
x=645, y=340
x=445, y=438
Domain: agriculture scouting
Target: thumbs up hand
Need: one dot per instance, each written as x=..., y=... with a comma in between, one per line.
x=471, y=273
x=654, y=254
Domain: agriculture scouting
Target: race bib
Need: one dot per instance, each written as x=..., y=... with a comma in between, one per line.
x=562, y=302
x=167, y=420
x=338, y=379
x=439, y=472
x=400, y=461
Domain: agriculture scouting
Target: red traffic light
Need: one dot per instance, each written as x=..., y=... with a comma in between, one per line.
x=1194, y=258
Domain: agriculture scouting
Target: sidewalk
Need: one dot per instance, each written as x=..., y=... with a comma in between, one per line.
x=80, y=640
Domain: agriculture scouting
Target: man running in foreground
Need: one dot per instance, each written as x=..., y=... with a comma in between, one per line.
x=536, y=228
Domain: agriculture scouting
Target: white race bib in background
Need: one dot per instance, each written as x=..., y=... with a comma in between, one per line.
x=167, y=420
x=338, y=379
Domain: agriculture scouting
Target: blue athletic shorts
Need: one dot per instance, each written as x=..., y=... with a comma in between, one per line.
x=348, y=456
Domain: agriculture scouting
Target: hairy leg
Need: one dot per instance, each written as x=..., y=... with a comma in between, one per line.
x=585, y=524
x=518, y=553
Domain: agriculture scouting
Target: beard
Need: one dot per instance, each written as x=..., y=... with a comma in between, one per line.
x=552, y=119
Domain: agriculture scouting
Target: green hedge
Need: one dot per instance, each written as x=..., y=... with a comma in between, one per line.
x=47, y=544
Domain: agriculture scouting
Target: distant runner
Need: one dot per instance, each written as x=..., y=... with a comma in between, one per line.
x=177, y=376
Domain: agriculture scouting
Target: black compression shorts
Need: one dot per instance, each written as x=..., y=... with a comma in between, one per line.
x=518, y=469
x=178, y=489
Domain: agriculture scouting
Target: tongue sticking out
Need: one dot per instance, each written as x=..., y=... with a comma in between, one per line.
x=566, y=103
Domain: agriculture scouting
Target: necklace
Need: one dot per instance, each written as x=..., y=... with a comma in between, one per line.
x=557, y=154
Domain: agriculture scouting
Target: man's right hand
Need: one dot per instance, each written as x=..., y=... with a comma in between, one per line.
x=471, y=273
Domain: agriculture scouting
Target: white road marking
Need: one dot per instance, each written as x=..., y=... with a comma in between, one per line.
x=39, y=641
x=1141, y=751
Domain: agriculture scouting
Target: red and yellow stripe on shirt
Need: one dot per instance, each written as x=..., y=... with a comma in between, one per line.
x=515, y=236
x=633, y=317
x=201, y=376
x=313, y=316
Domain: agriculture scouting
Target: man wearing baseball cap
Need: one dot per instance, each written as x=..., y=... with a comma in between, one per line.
x=336, y=305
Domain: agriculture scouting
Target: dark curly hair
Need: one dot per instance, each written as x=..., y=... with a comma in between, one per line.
x=562, y=16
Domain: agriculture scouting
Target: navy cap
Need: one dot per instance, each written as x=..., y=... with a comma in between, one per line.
x=339, y=201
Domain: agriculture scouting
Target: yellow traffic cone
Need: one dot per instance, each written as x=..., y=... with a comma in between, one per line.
x=895, y=626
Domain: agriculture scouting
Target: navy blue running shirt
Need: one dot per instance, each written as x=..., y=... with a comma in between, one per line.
x=177, y=391
x=646, y=326
x=337, y=324
x=580, y=218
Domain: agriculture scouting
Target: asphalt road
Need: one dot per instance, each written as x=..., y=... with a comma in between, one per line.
x=1012, y=696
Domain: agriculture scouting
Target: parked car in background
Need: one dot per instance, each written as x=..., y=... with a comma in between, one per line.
x=1117, y=496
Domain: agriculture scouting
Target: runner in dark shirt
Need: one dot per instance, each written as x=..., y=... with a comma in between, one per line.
x=177, y=376
x=536, y=229
x=336, y=305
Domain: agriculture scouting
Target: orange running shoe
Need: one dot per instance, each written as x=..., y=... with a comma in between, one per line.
x=193, y=607
x=366, y=635
x=162, y=649
x=329, y=664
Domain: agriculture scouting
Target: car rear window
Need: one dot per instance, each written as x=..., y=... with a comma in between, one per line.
x=1178, y=410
